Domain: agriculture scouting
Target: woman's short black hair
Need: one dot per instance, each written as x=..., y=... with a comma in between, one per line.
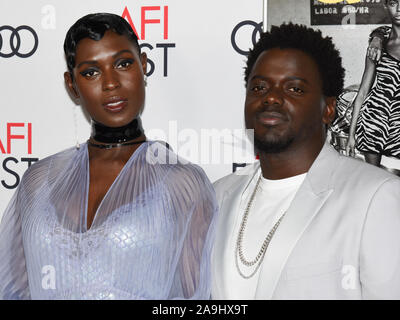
x=94, y=26
x=311, y=42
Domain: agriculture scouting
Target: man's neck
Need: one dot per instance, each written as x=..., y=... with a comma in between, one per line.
x=288, y=163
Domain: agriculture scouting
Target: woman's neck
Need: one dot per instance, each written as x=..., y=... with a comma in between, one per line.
x=395, y=33
x=119, y=154
x=115, y=143
x=114, y=135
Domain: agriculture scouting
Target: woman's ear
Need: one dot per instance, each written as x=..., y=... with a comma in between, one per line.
x=329, y=110
x=70, y=84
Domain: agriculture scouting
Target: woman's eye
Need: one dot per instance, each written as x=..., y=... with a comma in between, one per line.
x=124, y=64
x=89, y=73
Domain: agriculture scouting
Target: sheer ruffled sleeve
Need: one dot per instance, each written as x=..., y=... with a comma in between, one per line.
x=151, y=237
x=195, y=195
x=13, y=273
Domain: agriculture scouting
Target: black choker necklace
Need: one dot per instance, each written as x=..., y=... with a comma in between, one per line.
x=116, y=145
x=117, y=136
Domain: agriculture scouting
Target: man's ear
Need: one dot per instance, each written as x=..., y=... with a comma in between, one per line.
x=70, y=84
x=143, y=61
x=329, y=110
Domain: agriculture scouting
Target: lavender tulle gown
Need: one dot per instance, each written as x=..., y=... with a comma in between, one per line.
x=151, y=236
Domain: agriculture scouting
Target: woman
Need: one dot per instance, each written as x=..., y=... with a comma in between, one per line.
x=120, y=217
x=375, y=126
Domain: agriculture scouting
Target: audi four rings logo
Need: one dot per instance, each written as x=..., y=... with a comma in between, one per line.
x=257, y=28
x=15, y=42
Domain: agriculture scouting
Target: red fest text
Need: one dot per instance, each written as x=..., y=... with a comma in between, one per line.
x=16, y=135
x=152, y=15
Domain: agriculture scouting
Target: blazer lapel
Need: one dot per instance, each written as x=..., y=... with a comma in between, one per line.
x=310, y=197
x=229, y=201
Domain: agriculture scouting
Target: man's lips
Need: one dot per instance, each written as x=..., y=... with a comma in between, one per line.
x=271, y=118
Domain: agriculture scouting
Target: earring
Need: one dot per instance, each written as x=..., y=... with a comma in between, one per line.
x=145, y=80
x=77, y=145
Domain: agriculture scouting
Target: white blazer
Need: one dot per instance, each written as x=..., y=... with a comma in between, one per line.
x=340, y=238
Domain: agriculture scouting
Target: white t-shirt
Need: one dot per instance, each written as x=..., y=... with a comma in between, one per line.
x=272, y=199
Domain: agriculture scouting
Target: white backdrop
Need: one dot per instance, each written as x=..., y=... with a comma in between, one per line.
x=203, y=87
x=196, y=88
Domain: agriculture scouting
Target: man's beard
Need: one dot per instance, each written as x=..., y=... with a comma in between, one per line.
x=272, y=145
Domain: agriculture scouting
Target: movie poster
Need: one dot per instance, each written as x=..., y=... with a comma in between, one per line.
x=350, y=24
x=344, y=12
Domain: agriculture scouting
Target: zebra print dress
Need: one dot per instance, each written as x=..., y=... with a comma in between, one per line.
x=378, y=126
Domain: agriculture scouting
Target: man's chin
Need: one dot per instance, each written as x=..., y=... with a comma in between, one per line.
x=272, y=145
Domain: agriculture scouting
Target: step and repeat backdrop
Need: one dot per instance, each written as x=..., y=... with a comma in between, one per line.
x=194, y=96
x=195, y=92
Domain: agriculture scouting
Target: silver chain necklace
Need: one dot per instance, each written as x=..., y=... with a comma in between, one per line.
x=239, y=250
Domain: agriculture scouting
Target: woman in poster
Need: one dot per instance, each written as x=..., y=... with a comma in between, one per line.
x=375, y=125
x=120, y=217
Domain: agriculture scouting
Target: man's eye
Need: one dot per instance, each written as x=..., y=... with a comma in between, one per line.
x=296, y=90
x=89, y=73
x=257, y=88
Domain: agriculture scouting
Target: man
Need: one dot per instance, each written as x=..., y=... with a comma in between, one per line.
x=303, y=222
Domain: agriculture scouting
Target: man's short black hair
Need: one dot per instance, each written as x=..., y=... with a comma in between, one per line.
x=311, y=42
x=94, y=26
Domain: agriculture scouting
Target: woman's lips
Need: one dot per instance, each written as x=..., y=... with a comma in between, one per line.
x=115, y=105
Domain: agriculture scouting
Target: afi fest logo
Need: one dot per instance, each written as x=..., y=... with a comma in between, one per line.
x=15, y=136
x=152, y=17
